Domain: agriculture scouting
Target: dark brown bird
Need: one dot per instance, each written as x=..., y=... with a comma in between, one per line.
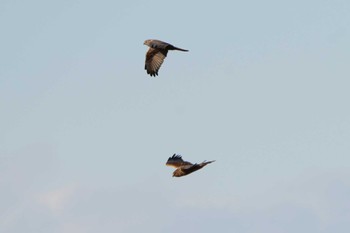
x=156, y=55
x=184, y=168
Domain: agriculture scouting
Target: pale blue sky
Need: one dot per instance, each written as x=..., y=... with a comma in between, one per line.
x=85, y=132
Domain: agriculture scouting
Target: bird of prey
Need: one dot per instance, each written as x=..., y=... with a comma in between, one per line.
x=156, y=54
x=184, y=168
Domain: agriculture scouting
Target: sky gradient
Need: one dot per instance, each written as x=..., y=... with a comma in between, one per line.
x=85, y=132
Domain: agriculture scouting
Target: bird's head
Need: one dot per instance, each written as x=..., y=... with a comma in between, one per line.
x=177, y=173
x=147, y=42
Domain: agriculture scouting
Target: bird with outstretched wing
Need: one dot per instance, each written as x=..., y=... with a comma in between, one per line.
x=156, y=54
x=184, y=168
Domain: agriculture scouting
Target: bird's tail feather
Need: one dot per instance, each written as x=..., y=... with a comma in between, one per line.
x=207, y=162
x=183, y=50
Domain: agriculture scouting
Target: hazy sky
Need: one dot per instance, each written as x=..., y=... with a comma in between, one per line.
x=85, y=132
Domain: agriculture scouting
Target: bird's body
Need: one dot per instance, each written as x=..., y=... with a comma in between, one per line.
x=183, y=167
x=156, y=54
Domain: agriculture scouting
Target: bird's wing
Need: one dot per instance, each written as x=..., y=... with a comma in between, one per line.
x=154, y=60
x=176, y=161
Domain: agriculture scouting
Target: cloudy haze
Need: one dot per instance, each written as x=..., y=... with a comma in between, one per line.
x=85, y=132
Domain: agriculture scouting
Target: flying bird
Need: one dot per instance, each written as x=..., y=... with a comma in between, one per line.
x=184, y=168
x=156, y=54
